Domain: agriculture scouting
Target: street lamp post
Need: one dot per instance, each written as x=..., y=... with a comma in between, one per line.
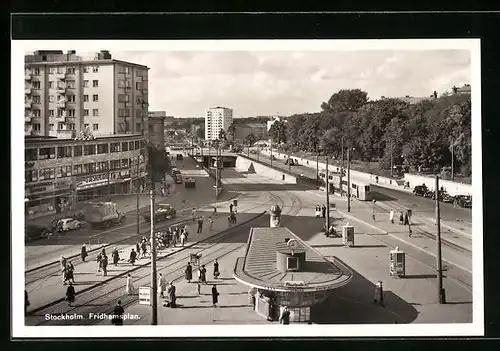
x=137, y=196
x=452, y=160
x=441, y=290
x=327, y=186
x=154, y=311
x=349, y=180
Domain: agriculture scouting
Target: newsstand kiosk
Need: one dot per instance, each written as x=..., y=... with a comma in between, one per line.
x=397, y=263
x=348, y=235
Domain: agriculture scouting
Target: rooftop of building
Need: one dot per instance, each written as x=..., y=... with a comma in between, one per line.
x=29, y=139
x=259, y=268
x=58, y=57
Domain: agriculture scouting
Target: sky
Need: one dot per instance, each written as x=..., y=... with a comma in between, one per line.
x=261, y=83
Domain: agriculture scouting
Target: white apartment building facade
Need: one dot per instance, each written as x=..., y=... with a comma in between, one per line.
x=217, y=118
x=65, y=94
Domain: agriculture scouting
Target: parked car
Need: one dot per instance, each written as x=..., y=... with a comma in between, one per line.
x=177, y=178
x=67, y=224
x=290, y=161
x=447, y=198
x=429, y=194
x=190, y=183
x=420, y=190
x=34, y=232
x=462, y=201
x=175, y=171
x=179, y=157
x=164, y=211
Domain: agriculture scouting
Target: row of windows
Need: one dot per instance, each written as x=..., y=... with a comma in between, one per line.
x=81, y=150
x=83, y=169
x=126, y=84
x=86, y=69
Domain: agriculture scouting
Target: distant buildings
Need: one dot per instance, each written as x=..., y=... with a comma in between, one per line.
x=217, y=118
x=273, y=119
x=65, y=93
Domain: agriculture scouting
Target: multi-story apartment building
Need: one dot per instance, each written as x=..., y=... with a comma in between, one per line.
x=217, y=118
x=59, y=173
x=65, y=94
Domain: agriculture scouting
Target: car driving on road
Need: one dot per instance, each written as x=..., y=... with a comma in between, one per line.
x=162, y=212
x=67, y=224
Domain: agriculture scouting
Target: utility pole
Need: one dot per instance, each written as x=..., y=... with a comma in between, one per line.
x=342, y=168
x=392, y=173
x=452, y=160
x=109, y=185
x=154, y=301
x=289, y=162
x=258, y=152
x=327, y=189
x=441, y=291
x=216, y=171
x=317, y=165
x=271, y=152
x=137, y=191
x=348, y=180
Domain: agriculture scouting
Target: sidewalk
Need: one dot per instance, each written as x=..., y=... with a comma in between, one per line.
x=382, y=226
x=407, y=300
x=48, y=289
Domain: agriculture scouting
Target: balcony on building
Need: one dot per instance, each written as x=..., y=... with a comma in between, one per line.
x=27, y=76
x=61, y=117
x=60, y=76
x=69, y=119
x=61, y=104
x=28, y=103
x=27, y=119
x=28, y=90
x=61, y=89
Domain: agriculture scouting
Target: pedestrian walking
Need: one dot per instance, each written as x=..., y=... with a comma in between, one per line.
x=118, y=314
x=216, y=269
x=401, y=218
x=70, y=294
x=391, y=216
x=203, y=274
x=215, y=211
x=162, y=282
x=317, y=213
x=129, y=286
x=62, y=261
x=64, y=275
x=70, y=269
x=378, y=297
x=116, y=256
x=215, y=295
x=251, y=294
x=105, y=266
x=163, y=191
x=99, y=262
x=188, y=272
x=144, y=247
x=198, y=287
x=231, y=208
x=171, y=295
x=84, y=253
x=323, y=211
x=200, y=225
x=210, y=223
x=285, y=316
x=406, y=221
x=133, y=256
x=26, y=302
x=138, y=248
x=183, y=239
x=193, y=214
x=233, y=217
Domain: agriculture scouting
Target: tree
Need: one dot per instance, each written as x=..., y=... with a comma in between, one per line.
x=346, y=100
x=278, y=132
x=222, y=134
x=200, y=133
x=251, y=139
x=231, y=131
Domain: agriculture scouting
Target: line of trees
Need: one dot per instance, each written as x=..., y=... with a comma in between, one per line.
x=417, y=136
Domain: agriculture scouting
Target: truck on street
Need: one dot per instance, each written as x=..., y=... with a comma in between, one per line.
x=102, y=214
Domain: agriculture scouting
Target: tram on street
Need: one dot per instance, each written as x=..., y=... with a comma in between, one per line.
x=359, y=190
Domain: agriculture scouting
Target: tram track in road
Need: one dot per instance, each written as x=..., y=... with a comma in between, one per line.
x=53, y=268
x=109, y=292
